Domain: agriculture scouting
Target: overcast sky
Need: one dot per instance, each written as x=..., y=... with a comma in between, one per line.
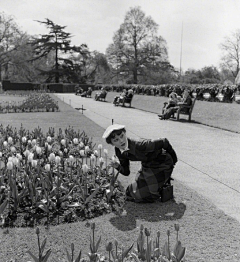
x=203, y=23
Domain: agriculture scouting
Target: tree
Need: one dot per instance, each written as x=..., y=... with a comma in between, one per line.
x=57, y=41
x=231, y=53
x=10, y=40
x=136, y=48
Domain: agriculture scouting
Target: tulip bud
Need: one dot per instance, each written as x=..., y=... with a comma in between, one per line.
x=1, y=154
x=93, y=158
x=30, y=157
x=147, y=232
x=158, y=233
x=109, y=247
x=47, y=167
x=29, y=142
x=37, y=231
x=93, y=226
x=114, y=159
x=65, y=150
x=75, y=141
x=49, y=147
x=10, y=140
x=176, y=227
x=34, y=142
x=5, y=143
x=71, y=159
x=168, y=232
x=49, y=139
x=72, y=247
x=15, y=161
x=101, y=160
x=100, y=146
x=81, y=145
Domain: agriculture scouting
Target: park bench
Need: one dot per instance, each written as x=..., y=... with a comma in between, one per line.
x=127, y=100
x=189, y=113
x=101, y=97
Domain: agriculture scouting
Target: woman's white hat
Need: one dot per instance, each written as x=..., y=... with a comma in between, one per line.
x=110, y=129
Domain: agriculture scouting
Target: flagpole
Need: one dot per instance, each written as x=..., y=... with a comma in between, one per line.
x=181, y=52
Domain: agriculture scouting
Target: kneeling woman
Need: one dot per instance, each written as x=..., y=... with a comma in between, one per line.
x=157, y=159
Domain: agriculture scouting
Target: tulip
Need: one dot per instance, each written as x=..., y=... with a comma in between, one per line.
x=15, y=161
x=13, y=149
x=30, y=157
x=19, y=156
x=1, y=154
x=75, y=141
x=49, y=147
x=34, y=163
x=51, y=157
x=95, y=153
x=34, y=142
x=49, y=139
x=48, y=167
x=85, y=168
x=105, y=151
x=10, y=165
x=100, y=146
x=63, y=142
x=38, y=150
x=87, y=149
x=109, y=247
x=24, y=139
x=5, y=143
x=71, y=159
x=65, y=150
x=81, y=145
x=82, y=153
x=37, y=231
x=26, y=153
x=147, y=232
x=10, y=140
x=57, y=160
x=101, y=160
x=29, y=142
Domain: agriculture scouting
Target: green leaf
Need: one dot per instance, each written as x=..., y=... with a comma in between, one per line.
x=179, y=251
x=79, y=257
x=68, y=256
x=46, y=256
x=97, y=245
x=43, y=244
x=92, y=195
x=3, y=206
x=31, y=254
x=125, y=253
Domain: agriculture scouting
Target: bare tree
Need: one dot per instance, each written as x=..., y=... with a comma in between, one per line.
x=231, y=53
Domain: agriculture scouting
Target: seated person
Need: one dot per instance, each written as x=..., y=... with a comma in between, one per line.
x=172, y=101
x=89, y=92
x=128, y=97
x=79, y=90
x=101, y=94
x=119, y=98
x=186, y=100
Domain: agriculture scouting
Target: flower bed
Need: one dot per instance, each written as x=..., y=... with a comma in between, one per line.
x=34, y=102
x=54, y=178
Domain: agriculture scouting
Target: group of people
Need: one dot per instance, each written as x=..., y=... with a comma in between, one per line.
x=174, y=102
x=82, y=93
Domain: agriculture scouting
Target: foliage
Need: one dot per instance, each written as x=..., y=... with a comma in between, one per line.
x=58, y=42
x=231, y=53
x=35, y=102
x=147, y=249
x=136, y=48
x=53, y=177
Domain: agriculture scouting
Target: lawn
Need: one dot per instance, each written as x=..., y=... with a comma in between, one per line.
x=207, y=233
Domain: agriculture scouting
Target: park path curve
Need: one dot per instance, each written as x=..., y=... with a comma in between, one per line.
x=209, y=158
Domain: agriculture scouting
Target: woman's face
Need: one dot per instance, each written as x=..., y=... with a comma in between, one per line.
x=120, y=141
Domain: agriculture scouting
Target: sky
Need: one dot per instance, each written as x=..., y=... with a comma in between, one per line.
x=193, y=29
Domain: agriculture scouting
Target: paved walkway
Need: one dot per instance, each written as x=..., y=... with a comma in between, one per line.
x=209, y=158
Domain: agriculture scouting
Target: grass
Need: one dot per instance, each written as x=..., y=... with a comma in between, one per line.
x=207, y=233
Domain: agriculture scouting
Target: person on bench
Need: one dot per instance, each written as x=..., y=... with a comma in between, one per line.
x=186, y=100
x=101, y=94
x=157, y=158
